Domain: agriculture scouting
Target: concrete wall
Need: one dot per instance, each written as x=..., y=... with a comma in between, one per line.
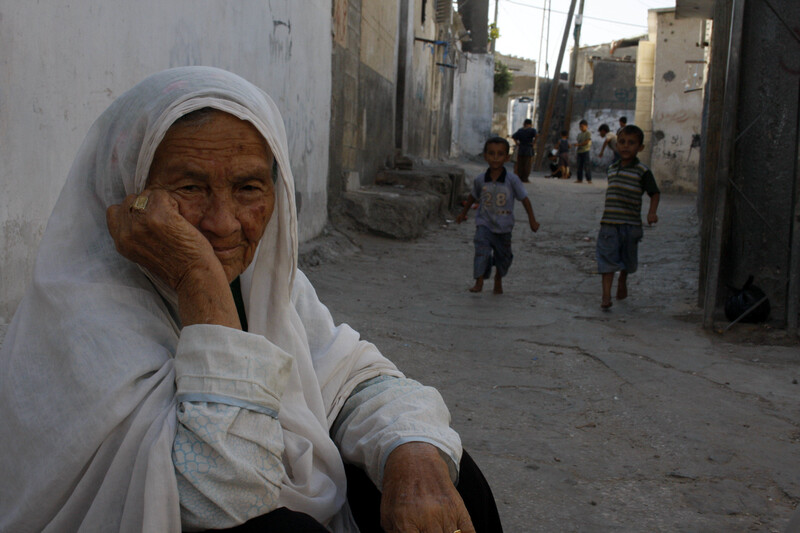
x=612, y=95
x=472, y=105
x=766, y=154
x=589, y=56
x=508, y=112
x=677, y=114
x=427, y=126
x=364, y=72
x=475, y=14
x=62, y=64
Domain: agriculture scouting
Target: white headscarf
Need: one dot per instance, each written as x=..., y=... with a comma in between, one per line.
x=87, y=388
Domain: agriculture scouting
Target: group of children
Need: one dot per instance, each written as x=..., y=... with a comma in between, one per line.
x=496, y=189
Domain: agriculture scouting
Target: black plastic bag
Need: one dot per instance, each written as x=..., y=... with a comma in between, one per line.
x=745, y=298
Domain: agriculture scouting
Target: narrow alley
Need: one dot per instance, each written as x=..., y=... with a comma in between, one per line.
x=634, y=419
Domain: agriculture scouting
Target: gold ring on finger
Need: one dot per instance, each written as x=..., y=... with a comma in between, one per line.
x=140, y=204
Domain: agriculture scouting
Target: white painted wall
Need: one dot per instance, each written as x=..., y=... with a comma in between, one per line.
x=472, y=105
x=677, y=103
x=62, y=64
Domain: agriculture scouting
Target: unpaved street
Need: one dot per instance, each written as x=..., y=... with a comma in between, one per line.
x=583, y=420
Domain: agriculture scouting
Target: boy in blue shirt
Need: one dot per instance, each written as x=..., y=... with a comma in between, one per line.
x=495, y=190
x=621, y=225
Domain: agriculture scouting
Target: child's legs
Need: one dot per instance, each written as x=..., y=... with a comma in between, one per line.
x=525, y=162
x=482, y=265
x=622, y=286
x=582, y=157
x=607, y=279
x=502, y=256
x=609, y=258
x=629, y=236
x=587, y=164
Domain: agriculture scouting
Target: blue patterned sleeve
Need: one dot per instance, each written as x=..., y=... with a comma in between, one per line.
x=228, y=446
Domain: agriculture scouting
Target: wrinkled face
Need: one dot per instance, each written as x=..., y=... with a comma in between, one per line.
x=628, y=146
x=220, y=173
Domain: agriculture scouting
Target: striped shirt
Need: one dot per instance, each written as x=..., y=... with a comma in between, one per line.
x=626, y=185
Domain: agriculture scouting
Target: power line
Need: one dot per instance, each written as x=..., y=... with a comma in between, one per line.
x=585, y=16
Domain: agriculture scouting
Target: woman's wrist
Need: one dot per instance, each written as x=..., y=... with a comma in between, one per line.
x=204, y=297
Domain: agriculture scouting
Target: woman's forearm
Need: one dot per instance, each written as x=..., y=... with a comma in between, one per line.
x=204, y=297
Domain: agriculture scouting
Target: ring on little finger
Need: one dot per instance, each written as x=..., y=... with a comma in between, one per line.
x=140, y=204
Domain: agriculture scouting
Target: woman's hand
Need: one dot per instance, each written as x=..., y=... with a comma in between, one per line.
x=418, y=494
x=161, y=240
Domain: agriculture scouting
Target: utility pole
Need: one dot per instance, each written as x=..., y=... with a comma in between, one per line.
x=538, y=67
x=495, y=23
x=573, y=67
x=551, y=100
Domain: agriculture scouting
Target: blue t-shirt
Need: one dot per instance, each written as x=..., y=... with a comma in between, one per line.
x=496, y=200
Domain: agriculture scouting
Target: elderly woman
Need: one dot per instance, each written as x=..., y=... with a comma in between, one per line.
x=171, y=369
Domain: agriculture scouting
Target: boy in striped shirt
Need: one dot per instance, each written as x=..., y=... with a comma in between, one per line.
x=621, y=225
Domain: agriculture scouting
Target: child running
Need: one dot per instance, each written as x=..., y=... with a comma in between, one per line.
x=495, y=190
x=621, y=225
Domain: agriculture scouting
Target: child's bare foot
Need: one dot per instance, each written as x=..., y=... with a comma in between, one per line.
x=606, y=303
x=478, y=287
x=498, y=285
x=622, y=291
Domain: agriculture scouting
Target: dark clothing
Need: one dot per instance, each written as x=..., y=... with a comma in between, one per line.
x=522, y=168
x=618, y=248
x=491, y=249
x=563, y=146
x=365, y=503
x=585, y=163
x=525, y=138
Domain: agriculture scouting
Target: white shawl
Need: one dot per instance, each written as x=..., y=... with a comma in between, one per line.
x=87, y=387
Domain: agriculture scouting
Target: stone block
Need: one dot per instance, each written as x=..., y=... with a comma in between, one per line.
x=445, y=181
x=392, y=211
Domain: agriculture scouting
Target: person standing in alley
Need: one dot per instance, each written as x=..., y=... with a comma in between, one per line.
x=621, y=225
x=623, y=121
x=524, y=139
x=584, y=151
x=495, y=190
x=609, y=141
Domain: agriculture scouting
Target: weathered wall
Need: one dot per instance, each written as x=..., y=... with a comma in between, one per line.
x=509, y=113
x=612, y=95
x=589, y=56
x=62, y=64
x=472, y=105
x=364, y=71
x=427, y=127
x=677, y=114
x=761, y=203
x=475, y=14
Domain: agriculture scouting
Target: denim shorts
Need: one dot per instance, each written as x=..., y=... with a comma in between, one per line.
x=618, y=248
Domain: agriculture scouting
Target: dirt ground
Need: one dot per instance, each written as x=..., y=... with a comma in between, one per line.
x=632, y=420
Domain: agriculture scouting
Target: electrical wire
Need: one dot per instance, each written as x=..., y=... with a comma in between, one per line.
x=584, y=16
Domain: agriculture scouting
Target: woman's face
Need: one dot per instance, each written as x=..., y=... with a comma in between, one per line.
x=220, y=173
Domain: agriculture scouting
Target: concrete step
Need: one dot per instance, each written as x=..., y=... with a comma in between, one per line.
x=445, y=181
x=392, y=211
